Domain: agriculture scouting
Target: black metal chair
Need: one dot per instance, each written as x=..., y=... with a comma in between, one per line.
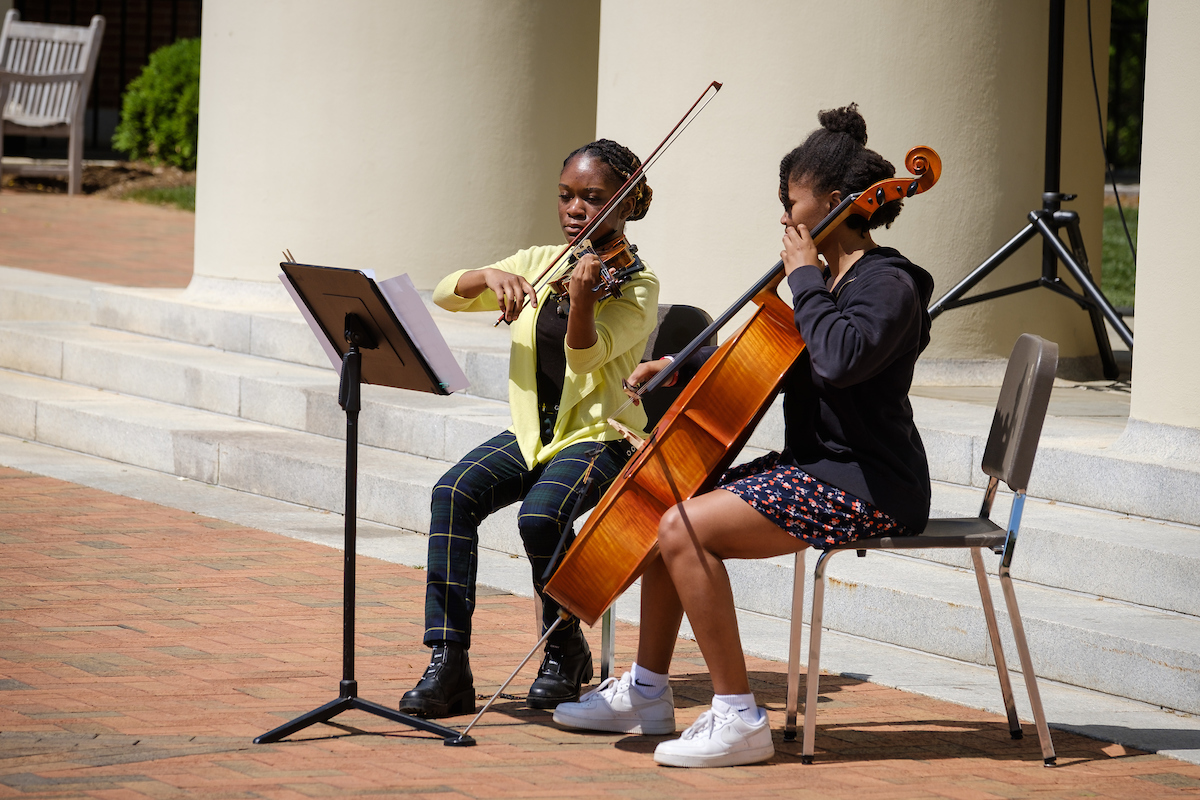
x=1011, y=447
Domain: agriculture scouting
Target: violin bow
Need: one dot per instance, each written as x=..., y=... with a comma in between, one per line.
x=630, y=184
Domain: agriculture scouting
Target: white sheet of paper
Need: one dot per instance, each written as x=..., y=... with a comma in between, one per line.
x=402, y=296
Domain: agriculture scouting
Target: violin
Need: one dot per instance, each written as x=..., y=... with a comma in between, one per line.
x=618, y=264
x=707, y=425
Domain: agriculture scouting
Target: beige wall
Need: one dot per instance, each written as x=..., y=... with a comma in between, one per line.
x=398, y=136
x=968, y=79
x=1166, y=368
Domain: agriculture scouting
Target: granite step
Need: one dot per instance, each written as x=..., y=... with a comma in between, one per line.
x=234, y=392
x=1081, y=639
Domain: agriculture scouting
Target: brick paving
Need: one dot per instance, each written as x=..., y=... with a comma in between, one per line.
x=96, y=238
x=142, y=648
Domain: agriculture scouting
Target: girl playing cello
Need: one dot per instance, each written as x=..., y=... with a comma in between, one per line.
x=853, y=464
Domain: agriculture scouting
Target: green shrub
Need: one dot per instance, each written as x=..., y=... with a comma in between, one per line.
x=160, y=110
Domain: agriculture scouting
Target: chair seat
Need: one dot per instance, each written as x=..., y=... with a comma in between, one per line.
x=940, y=533
x=18, y=123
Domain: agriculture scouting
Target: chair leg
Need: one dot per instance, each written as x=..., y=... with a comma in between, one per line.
x=75, y=159
x=812, y=678
x=793, y=673
x=1035, y=697
x=989, y=613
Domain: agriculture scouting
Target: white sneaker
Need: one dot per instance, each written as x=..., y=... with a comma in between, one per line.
x=617, y=706
x=719, y=739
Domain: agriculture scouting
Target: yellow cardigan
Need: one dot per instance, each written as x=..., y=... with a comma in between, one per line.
x=592, y=383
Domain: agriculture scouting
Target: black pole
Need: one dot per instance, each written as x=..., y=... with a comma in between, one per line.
x=351, y=395
x=1051, y=199
x=1054, y=94
x=350, y=399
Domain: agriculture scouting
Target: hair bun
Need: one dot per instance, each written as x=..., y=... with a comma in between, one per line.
x=845, y=120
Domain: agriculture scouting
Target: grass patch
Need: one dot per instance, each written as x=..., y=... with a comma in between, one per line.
x=184, y=197
x=1117, y=270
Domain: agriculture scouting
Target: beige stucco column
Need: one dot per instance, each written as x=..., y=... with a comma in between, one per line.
x=1165, y=408
x=968, y=79
x=400, y=136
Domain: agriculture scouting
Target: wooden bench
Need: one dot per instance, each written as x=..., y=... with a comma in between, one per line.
x=45, y=74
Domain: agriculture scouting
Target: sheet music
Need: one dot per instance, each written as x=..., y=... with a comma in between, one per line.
x=402, y=296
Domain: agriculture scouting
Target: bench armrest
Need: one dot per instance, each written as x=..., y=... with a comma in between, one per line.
x=59, y=77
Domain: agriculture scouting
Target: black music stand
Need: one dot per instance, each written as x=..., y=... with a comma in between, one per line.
x=347, y=300
x=1047, y=221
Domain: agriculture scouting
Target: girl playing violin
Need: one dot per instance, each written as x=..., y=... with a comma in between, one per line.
x=853, y=465
x=564, y=381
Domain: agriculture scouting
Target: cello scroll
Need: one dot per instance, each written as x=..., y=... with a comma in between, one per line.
x=926, y=167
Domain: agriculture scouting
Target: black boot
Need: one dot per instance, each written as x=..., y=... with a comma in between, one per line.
x=447, y=687
x=565, y=668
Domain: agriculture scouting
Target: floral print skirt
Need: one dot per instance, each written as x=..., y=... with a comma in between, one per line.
x=806, y=507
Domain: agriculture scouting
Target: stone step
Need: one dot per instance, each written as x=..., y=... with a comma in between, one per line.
x=1118, y=648
x=252, y=387
x=1079, y=639
x=1075, y=549
x=296, y=466
x=267, y=324
x=25, y=294
x=1080, y=460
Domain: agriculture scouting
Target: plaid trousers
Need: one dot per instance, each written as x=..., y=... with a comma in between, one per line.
x=489, y=478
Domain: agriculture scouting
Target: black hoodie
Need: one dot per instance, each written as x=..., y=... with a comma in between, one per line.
x=849, y=421
x=848, y=418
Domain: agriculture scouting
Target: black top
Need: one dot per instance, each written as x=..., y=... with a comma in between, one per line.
x=550, y=335
x=846, y=409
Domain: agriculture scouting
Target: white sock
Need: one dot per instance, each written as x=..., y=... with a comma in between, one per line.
x=647, y=683
x=742, y=704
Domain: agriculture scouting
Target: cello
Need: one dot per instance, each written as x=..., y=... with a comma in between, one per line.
x=703, y=431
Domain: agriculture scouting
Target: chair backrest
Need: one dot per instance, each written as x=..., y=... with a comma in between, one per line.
x=677, y=326
x=1020, y=411
x=36, y=49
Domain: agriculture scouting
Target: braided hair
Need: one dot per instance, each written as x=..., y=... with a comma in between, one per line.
x=835, y=157
x=621, y=161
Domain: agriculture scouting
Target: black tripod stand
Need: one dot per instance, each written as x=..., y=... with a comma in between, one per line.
x=1047, y=221
x=328, y=293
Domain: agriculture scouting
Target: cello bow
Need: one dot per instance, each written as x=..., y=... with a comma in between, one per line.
x=707, y=425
